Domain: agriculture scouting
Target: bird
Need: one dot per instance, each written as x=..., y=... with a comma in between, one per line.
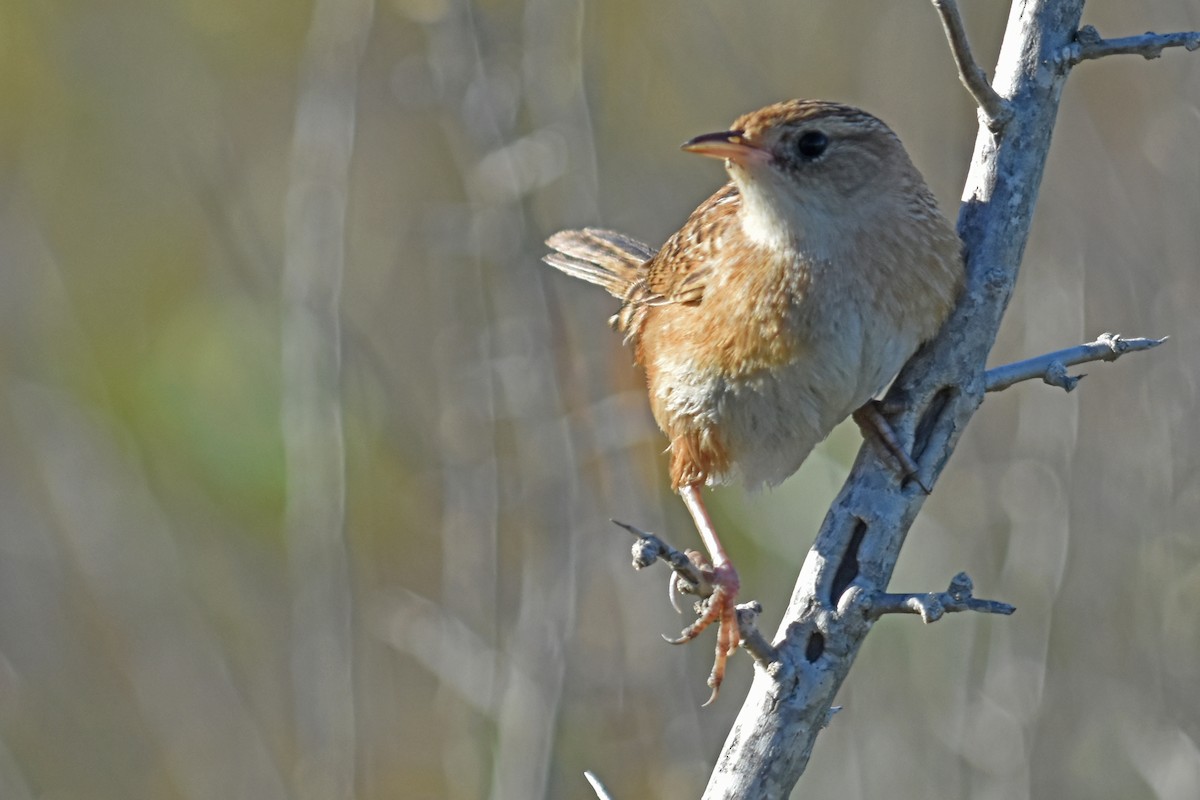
x=786, y=302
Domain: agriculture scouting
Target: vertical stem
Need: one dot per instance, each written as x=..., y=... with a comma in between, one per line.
x=314, y=451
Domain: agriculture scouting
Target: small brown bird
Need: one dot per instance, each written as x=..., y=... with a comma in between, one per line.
x=786, y=302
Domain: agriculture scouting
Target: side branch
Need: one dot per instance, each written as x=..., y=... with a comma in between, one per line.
x=597, y=786
x=1089, y=44
x=933, y=605
x=753, y=642
x=649, y=548
x=1052, y=367
x=996, y=110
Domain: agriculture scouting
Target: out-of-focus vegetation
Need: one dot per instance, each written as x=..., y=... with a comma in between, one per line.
x=499, y=642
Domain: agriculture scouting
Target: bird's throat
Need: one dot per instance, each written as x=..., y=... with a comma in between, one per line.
x=764, y=221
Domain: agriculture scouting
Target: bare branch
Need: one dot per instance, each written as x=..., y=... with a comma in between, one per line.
x=995, y=109
x=753, y=642
x=314, y=517
x=1089, y=44
x=932, y=606
x=649, y=548
x=597, y=786
x=1052, y=367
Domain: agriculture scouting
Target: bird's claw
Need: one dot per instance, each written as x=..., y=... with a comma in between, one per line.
x=680, y=583
x=719, y=608
x=872, y=421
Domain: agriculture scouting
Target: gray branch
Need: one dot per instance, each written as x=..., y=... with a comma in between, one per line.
x=934, y=605
x=649, y=548
x=753, y=642
x=1089, y=44
x=995, y=109
x=597, y=786
x=842, y=587
x=1052, y=367
x=322, y=651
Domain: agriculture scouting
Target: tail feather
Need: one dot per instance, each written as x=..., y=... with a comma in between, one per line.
x=605, y=258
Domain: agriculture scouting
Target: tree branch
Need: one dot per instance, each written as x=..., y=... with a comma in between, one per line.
x=753, y=642
x=649, y=548
x=597, y=786
x=933, y=605
x=1088, y=44
x=994, y=108
x=314, y=447
x=1052, y=367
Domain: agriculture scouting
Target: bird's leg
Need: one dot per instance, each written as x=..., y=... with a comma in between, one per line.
x=724, y=580
x=874, y=425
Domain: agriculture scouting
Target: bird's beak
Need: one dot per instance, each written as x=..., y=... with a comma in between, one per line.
x=730, y=145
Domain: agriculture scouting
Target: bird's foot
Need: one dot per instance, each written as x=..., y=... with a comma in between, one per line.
x=872, y=421
x=718, y=608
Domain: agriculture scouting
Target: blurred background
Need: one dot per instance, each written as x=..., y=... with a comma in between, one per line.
x=306, y=463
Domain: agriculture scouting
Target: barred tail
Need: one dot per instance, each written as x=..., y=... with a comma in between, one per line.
x=605, y=258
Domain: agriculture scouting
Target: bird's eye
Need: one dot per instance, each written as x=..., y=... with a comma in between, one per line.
x=811, y=144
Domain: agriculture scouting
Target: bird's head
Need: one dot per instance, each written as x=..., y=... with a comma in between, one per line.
x=805, y=164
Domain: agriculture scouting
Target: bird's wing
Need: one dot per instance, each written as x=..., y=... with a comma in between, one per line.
x=680, y=270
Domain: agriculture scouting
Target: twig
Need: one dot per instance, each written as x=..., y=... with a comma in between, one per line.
x=932, y=606
x=996, y=110
x=649, y=548
x=1089, y=44
x=597, y=786
x=753, y=642
x=1052, y=367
